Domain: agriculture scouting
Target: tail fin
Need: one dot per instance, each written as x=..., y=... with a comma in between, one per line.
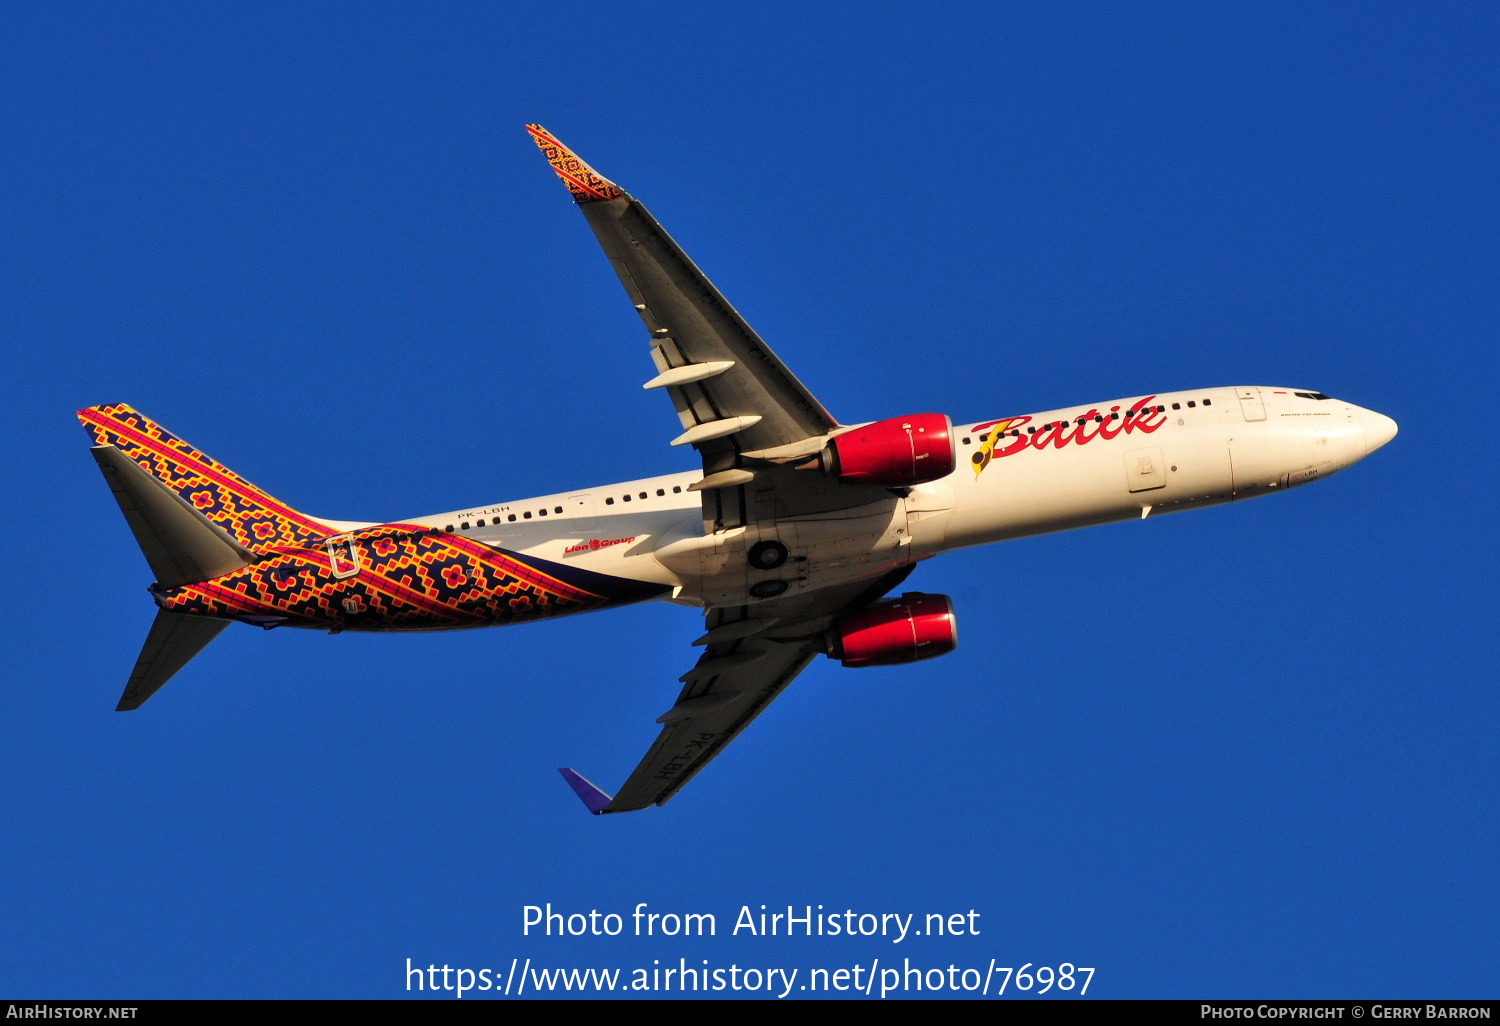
x=174, y=639
x=252, y=519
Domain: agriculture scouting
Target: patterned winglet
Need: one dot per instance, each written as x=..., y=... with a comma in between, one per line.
x=586, y=184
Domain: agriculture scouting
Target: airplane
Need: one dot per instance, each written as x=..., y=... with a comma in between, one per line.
x=790, y=538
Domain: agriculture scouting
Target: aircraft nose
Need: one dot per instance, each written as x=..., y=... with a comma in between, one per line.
x=1379, y=429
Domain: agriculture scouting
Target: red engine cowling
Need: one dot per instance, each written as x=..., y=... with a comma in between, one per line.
x=901, y=630
x=894, y=453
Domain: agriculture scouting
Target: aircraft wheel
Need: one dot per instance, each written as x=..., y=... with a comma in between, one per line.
x=767, y=555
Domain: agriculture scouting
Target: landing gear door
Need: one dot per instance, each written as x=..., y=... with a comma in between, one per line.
x=1250, y=403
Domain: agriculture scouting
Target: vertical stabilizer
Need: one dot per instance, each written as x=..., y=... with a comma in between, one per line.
x=255, y=520
x=174, y=639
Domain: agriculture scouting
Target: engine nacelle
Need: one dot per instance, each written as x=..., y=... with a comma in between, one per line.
x=894, y=453
x=900, y=630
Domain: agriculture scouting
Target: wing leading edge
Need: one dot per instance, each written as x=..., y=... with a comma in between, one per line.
x=715, y=366
x=738, y=404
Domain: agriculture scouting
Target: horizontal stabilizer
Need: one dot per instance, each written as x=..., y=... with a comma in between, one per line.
x=174, y=639
x=593, y=798
x=181, y=544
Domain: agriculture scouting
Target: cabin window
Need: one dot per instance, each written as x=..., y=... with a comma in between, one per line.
x=676, y=489
x=1191, y=404
x=643, y=495
x=609, y=501
x=448, y=528
x=541, y=512
x=1176, y=406
x=626, y=497
x=526, y=515
x=557, y=509
x=659, y=491
x=1208, y=402
x=511, y=518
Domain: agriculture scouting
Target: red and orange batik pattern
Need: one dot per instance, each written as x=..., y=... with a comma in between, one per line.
x=308, y=574
x=394, y=577
x=248, y=515
x=586, y=184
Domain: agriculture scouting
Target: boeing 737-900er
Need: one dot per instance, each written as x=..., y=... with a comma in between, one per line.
x=789, y=538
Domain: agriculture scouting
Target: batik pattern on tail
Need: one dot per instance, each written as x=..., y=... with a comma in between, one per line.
x=253, y=518
x=393, y=577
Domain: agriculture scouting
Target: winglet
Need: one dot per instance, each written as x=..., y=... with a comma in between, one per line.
x=586, y=184
x=593, y=798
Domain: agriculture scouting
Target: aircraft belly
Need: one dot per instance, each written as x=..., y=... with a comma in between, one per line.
x=819, y=551
x=840, y=548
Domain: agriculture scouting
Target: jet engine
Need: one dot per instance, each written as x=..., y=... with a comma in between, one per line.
x=900, y=630
x=893, y=453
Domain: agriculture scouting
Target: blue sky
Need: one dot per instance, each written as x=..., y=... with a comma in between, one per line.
x=1247, y=751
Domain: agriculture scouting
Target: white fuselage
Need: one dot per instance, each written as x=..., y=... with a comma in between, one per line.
x=1046, y=472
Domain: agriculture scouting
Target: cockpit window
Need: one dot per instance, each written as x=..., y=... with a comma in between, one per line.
x=1312, y=395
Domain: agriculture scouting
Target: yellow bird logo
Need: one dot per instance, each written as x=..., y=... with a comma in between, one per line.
x=981, y=459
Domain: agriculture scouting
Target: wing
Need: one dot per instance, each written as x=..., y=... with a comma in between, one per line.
x=740, y=407
x=751, y=655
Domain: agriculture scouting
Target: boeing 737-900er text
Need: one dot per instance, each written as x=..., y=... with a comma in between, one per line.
x=789, y=538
